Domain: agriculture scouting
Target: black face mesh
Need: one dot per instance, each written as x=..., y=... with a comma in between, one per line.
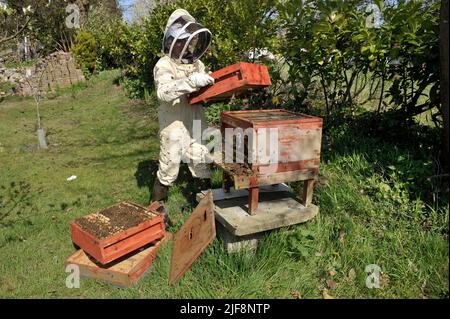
x=186, y=41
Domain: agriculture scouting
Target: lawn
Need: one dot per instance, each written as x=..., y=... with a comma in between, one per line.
x=380, y=203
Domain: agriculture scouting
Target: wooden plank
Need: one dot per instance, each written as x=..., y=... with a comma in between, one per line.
x=193, y=238
x=234, y=122
x=135, y=242
x=286, y=177
x=243, y=181
x=257, y=117
x=124, y=272
x=287, y=167
x=308, y=192
x=219, y=194
x=219, y=90
x=253, y=198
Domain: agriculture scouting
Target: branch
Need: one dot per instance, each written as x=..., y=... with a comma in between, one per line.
x=4, y=40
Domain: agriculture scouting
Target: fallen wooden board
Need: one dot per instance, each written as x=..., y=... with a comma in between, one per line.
x=276, y=210
x=124, y=272
x=193, y=238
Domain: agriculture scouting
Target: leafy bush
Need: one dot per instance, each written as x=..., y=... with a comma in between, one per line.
x=85, y=51
x=6, y=86
x=330, y=55
x=335, y=46
x=133, y=87
x=237, y=27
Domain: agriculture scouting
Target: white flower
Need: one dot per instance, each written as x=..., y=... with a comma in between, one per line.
x=27, y=9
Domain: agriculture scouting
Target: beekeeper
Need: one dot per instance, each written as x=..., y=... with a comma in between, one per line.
x=178, y=73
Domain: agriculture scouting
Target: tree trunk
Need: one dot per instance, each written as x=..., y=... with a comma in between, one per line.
x=443, y=35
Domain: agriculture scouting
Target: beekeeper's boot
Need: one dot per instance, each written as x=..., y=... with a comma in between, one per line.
x=159, y=194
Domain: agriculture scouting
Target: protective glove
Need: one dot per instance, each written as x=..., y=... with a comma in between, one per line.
x=200, y=80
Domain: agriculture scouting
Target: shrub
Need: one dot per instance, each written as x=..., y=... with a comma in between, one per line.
x=85, y=51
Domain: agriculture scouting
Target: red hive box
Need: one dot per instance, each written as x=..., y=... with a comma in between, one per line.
x=233, y=80
x=117, y=230
x=298, y=149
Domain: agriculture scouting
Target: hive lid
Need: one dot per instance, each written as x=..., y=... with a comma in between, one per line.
x=193, y=238
x=270, y=116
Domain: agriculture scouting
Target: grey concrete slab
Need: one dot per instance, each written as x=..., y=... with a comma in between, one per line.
x=275, y=210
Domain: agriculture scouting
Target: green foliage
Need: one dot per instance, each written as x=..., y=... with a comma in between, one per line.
x=237, y=26
x=6, y=86
x=85, y=51
x=332, y=45
x=213, y=112
x=107, y=29
x=299, y=244
x=133, y=87
x=331, y=55
x=46, y=23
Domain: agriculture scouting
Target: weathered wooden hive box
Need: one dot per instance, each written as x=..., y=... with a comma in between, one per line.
x=295, y=151
x=117, y=230
x=232, y=81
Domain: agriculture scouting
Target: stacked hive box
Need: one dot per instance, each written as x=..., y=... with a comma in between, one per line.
x=117, y=244
x=297, y=146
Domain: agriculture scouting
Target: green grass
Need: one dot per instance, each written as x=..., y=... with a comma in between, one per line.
x=371, y=210
x=13, y=65
x=6, y=87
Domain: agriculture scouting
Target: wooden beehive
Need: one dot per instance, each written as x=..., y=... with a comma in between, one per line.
x=233, y=80
x=117, y=230
x=124, y=272
x=298, y=148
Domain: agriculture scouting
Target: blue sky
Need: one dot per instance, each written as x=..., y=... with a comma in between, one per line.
x=126, y=5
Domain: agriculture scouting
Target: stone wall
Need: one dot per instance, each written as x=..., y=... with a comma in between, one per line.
x=58, y=70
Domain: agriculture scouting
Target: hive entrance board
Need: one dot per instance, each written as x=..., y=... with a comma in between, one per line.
x=193, y=238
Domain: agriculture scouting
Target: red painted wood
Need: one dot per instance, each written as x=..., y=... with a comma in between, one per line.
x=129, y=232
x=234, y=79
x=132, y=243
x=111, y=248
x=125, y=271
x=299, y=139
x=253, y=198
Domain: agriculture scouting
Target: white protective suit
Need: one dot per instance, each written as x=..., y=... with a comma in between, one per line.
x=174, y=81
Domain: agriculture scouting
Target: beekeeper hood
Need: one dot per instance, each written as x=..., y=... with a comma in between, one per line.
x=185, y=40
